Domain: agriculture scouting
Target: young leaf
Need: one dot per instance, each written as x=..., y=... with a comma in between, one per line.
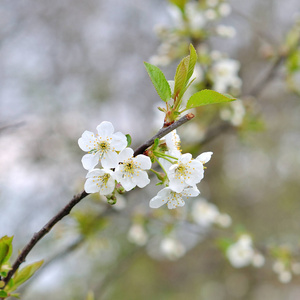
x=181, y=76
x=25, y=274
x=3, y=294
x=159, y=81
x=128, y=137
x=206, y=97
x=179, y=3
x=5, y=249
x=184, y=72
x=192, y=62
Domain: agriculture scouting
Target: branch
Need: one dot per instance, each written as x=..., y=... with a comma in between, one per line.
x=77, y=198
x=162, y=132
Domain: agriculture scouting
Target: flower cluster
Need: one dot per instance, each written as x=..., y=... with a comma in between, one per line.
x=182, y=173
x=120, y=169
x=242, y=253
x=117, y=161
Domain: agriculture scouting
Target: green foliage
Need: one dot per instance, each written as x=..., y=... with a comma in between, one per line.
x=23, y=275
x=3, y=294
x=159, y=81
x=184, y=72
x=179, y=3
x=206, y=97
x=88, y=222
x=128, y=137
x=293, y=62
x=5, y=254
x=90, y=296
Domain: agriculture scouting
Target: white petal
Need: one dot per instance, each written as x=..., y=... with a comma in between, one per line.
x=142, y=180
x=204, y=157
x=89, y=161
x=109, y=188
x=87, y=140
x=190, y=192
x=105, y=129
x=125, y=154
x=165, y=164
x=127, y=184
x=110, y=160
x=185, y=158
x=95, y=172
x=157, y=202
x=119, y=141
x=90, y=186
x=143, y=161
x=176, y=201
x=177, y=185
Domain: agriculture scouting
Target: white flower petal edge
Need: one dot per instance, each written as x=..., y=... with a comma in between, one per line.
x=102, y=147
x=186, y=172
x=204, y=157
x=173, y=143
x=172, y=198
x=89, y=161
x=100, y=180
x=130, y=172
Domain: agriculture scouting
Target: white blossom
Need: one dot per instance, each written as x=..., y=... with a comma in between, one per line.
x=171, y=198
x=223, y=220
x=130, y=172
x=226, y=31
x=173, y=143
x=258, y=260
x=102, y=147
x=185, y=172
x=172, y=248
x=195, y=16
x=240, y=254
x=210, y=14
x=224, y=9
x=100, y=180
x=204, y=157
x=225, y=75
x=137, y=235
x=235, y=113
x=285, y=276
x=204, y=213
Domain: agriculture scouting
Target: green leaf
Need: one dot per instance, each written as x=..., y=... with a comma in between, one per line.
x=179, y=3
x=5, y=249
x=184, y=72
x=25, y=274
x=206, y=97
x=3, y=294
x=159, y=81
x=192, y=62
x=155, y=144
x=128, y=137
x=181, y=76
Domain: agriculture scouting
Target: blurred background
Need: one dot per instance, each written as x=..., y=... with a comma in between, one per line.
x=66, y=66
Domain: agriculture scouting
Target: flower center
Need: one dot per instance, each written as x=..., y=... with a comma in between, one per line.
x=129, y=167
x=103, y=147
x=105, y=178
x=181, y=170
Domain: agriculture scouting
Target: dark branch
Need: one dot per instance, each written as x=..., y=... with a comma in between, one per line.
x=162, y=132
x=77, y=198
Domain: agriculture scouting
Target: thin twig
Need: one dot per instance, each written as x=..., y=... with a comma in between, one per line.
x=261, y=84
x=77, y=198
x=162, y=132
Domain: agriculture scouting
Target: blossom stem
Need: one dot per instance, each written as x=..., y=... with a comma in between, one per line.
x=161, y=166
